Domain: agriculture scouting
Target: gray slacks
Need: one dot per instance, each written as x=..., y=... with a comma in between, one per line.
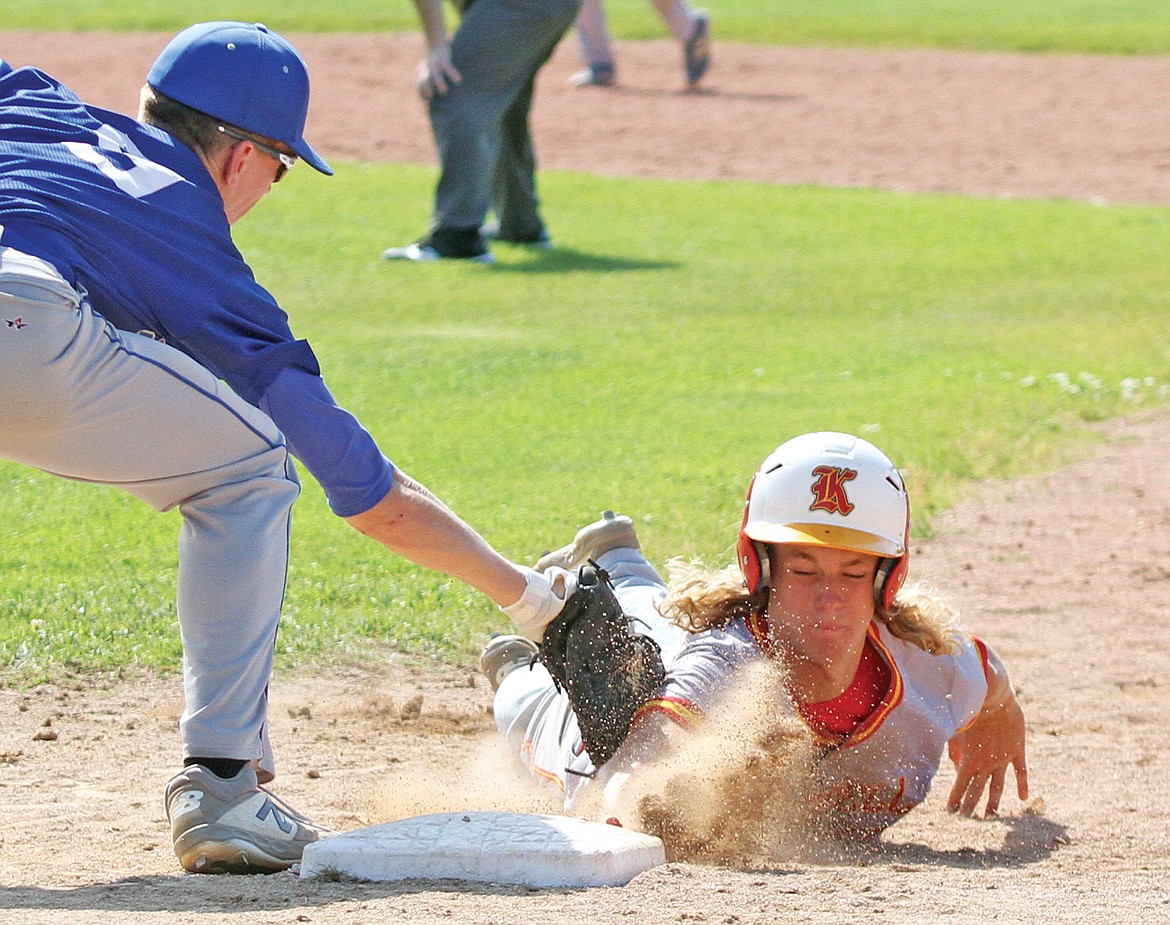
x=481, y=127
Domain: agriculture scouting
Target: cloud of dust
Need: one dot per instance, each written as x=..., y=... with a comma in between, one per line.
x=487, y=777
x=738, y=791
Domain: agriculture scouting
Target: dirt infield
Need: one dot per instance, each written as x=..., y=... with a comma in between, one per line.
x=1068, y=575
x=985, y=124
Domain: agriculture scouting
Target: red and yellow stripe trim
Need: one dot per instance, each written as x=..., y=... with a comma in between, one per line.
x=888, y=703
x=676, y=709
x=528, y=755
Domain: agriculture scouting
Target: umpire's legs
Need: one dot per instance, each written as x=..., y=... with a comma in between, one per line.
x=498, y=47
x=514, y=197
x=514, y=194
x=87, y=402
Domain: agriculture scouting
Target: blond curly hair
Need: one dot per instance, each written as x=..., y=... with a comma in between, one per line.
x=699, y=599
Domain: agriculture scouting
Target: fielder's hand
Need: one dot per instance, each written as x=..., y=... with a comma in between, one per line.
x=543, y=599
x=436, y=74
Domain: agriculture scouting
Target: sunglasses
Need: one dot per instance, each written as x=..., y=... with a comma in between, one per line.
x=286, y=160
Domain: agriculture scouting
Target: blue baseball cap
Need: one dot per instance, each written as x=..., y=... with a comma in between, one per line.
x=244, y=74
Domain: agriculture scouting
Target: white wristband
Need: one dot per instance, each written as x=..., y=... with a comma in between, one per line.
x=539, y=604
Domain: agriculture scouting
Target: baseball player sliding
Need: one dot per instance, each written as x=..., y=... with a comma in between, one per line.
x=138, y=350
x=877, y=673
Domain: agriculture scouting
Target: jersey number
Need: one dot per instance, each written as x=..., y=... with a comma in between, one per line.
x=116, y=156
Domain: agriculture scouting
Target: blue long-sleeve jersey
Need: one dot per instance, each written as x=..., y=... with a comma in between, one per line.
x=131, y=217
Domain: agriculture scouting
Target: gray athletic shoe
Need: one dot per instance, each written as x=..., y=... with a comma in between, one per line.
x=612, y=531
x=503, y=655
x=233, y=826
x=697, y=50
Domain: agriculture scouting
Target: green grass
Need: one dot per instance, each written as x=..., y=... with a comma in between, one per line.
x=680, y=331
x=1100, y=26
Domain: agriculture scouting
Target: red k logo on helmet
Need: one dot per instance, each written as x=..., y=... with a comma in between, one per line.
x=829, y=489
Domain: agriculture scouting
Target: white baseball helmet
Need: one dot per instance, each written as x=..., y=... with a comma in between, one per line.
x=828, y=489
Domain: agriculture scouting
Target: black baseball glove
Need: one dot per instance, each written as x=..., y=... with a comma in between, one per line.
x=607, y=670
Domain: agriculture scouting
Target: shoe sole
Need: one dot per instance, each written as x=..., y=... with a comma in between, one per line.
x=593, y=540
x=505, y=652
x=204, y=850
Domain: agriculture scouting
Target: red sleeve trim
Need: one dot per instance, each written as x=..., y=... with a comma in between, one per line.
x=679, y=711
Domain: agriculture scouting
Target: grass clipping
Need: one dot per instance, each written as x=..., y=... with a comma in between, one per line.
x=737, y=791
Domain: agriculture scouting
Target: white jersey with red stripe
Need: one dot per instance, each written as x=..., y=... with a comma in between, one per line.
x=868, y=779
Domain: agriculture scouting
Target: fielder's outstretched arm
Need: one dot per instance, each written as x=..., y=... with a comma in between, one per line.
x=413, y=523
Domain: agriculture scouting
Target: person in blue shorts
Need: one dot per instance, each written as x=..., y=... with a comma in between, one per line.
x=138, y=350
x=691, y=28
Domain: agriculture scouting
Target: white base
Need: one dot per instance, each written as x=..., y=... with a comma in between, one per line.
x=488, y=847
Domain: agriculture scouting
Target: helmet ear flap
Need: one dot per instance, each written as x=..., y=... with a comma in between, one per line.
x=891, y=575
x=753, y=562
x=751, y=565
x=753, y=559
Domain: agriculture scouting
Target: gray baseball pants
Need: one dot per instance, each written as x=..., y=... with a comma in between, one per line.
x=86, y=401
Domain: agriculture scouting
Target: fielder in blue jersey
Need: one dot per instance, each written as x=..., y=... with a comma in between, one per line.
x=138, y=350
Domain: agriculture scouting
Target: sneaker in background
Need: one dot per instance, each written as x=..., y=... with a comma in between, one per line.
x=422, y=252
x=596, y=75
x=697, y=51
x=541, y=241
